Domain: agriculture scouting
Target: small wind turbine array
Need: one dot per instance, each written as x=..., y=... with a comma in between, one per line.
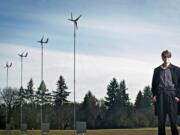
x=42, y=42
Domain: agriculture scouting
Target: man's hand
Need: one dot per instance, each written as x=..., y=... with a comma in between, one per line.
x=154, y=99
x=177, y=99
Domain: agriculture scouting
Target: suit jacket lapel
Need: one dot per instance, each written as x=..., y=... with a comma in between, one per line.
x=172, y=73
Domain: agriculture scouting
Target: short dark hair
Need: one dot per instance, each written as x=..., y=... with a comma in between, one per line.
x=166, y=53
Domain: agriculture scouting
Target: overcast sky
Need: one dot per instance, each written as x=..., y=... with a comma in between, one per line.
x=116, y=38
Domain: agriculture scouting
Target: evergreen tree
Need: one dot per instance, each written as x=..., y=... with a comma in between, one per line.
x=30, y=92
x=43, y=97
x=42, y=94
x=60, y=95
x=139, y=101
x=90, y=109
x=147, y=98
x=112, y=89
x=21, y=96
x=89, y=100
x=122, y=96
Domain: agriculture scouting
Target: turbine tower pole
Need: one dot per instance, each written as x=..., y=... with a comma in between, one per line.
x=7, y=69
x=41, y=61
x=21, y=88
x=41, y=79
x=7, y=77
x=42, y=44
x=74, y=76
x=75, y=27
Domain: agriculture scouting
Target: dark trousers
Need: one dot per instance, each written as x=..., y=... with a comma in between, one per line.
x=166, y=104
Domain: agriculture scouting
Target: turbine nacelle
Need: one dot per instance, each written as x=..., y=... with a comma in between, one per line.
x=22, y=54
x=42, y=42
x=8, y=65
x=75, y=20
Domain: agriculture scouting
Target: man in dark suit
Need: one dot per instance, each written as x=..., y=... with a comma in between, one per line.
x=166, y=93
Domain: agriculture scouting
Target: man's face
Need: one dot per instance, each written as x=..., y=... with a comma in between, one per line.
x=166, y=60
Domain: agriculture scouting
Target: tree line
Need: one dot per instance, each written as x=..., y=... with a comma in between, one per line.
x=114, y=111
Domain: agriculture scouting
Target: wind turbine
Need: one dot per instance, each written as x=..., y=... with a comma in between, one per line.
x=7, y=67
x=75, y=27
x=42, y=42
x=22, y=55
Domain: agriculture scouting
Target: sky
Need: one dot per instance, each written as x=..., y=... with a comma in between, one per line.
x=115, y=38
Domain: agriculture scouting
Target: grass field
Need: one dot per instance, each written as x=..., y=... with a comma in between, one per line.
x=141, y=131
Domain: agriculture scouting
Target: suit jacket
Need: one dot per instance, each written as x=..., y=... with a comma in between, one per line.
x=175, y=72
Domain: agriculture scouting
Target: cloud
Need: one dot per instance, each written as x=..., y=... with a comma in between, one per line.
x=109, y=34
x=133, y=43
x=93, y=72
x=138, y=29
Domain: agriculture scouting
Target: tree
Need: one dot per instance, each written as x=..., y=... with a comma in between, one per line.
x=147, y=98
x=60, y=95
x=139, y=101
x=122, y=98
x=112, y=89
x=43, y=97
x=144, y=100
x=144, y=113
x=30, y=108
x=100, y=120
x=118, y=104
x=30, y=92
x=125, y=96
x=10, y=97
x=21, y=97
x=89, y=110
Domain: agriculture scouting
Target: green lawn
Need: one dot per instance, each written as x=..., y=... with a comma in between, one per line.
x=141, y=131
